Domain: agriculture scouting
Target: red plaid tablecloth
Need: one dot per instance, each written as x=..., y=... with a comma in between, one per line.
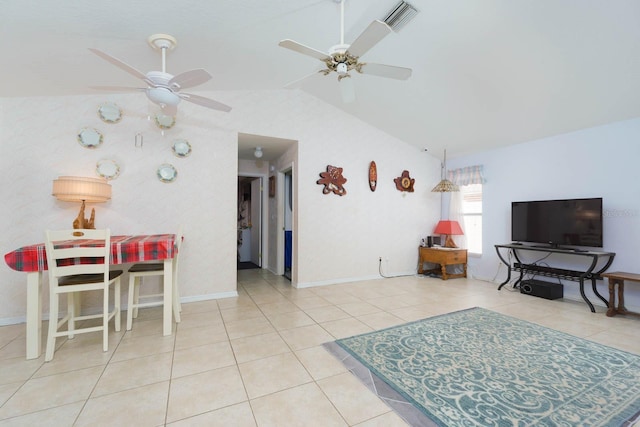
x=124, y=249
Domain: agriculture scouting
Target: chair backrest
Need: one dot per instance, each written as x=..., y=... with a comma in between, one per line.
x=79, y=251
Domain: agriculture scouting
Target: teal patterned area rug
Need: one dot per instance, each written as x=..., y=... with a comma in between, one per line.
x=477, y=367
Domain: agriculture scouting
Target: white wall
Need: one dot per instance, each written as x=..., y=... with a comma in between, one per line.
x=337, y=238
x=596, y=162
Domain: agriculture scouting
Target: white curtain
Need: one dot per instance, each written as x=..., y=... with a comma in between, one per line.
x=461, y=177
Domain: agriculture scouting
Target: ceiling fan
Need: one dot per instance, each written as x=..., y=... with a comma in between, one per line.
x=343, y=58
x=163, y=88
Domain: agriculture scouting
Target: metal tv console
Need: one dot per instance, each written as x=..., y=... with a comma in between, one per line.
x=599, y=263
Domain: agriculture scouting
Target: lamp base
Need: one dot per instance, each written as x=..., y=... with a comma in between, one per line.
x=81, y=222
x=449, y=243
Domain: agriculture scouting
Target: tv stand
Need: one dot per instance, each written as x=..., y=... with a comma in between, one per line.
x=599, y=263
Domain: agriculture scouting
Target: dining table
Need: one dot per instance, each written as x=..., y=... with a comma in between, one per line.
x=32, y=259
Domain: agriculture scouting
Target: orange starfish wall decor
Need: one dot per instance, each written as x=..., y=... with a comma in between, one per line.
x=333, y=181
x=404, y=182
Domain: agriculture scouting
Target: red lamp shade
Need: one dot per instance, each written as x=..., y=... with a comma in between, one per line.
x=448, y=228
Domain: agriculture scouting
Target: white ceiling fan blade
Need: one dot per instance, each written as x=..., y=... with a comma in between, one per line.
x=115, y=61
x=305, y=50
x=119, y=88
x=205, y=102
x=375, y=32
x=189, y=79
x=347, y=90
x=389, y=71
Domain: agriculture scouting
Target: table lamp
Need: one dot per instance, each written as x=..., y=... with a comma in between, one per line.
x=449, y=228
x=81, y=189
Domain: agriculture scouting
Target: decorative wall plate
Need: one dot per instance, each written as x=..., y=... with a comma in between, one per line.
x=404, y=182
x=373, y=176
x=109, y=112
x=167, y=173
x=165, y=122
x=90, y=138
x=108, y=169
x=181, y=148
x=333, y=181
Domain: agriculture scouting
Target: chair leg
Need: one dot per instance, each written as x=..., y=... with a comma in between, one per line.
x=116, y=296
x=131, y=301
x=53, y=327
x=136, y=295
x=105, y=319
x=177, y=307
x=71, y=312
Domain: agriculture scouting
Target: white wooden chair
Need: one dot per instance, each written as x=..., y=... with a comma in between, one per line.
x=92, y=273
x=139, y=271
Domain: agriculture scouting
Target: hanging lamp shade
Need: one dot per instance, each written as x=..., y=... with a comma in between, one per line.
x=445, y=186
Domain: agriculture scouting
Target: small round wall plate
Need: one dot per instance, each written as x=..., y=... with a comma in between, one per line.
x=167, y=173
x=181, y=147
x=164, y=121
x=109, y=112
x=108, y=169
x=90, y=138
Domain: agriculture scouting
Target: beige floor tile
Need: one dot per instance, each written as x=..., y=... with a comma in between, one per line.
x=18, y=369
x=132, y=347
x=359, y=308
x=290, y=320
x=258, y=346
x=306, y=336
x=59, y=416
x=239, y=415
x=204, y=392
x=305, y=405
x=206, y=306
x=390, y=419
x=310, y=302
x=73, y=357
x=325, y=314
x=319, y=362
x=193, y=337
x=7, y=390
x=248, y=327
x=241, y=313
x=380, y=320
x=47, y=392
x=274, y=308
x=346, y=327
x=140, y=407
x=272, y=374
x=206, y=357
x=355, y=402
x=200, y=319
x=133, y=373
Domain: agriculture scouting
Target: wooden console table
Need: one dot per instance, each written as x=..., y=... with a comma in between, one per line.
x=443, y=257
x=618, y=278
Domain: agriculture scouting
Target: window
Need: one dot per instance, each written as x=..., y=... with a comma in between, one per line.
x=472, y=216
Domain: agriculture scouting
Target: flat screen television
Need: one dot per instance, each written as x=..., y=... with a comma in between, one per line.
x=570, y=222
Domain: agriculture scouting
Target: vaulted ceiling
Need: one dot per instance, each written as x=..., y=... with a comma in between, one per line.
x=485, y=73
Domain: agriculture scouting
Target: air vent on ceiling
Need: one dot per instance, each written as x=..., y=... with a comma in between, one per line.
x=399, y=15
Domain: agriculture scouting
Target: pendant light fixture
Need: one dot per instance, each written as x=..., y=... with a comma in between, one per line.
x=444, y=186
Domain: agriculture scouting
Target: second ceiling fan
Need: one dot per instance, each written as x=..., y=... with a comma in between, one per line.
x=344, y=58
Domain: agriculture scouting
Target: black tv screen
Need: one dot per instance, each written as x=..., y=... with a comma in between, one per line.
x=571, y=222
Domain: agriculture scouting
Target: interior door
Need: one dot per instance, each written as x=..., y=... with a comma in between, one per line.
x=256, y=221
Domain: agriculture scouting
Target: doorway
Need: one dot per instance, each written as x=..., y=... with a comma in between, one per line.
x=250, y=227
x=288, y=223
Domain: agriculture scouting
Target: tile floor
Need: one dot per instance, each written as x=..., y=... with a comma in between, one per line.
x=254, y=360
